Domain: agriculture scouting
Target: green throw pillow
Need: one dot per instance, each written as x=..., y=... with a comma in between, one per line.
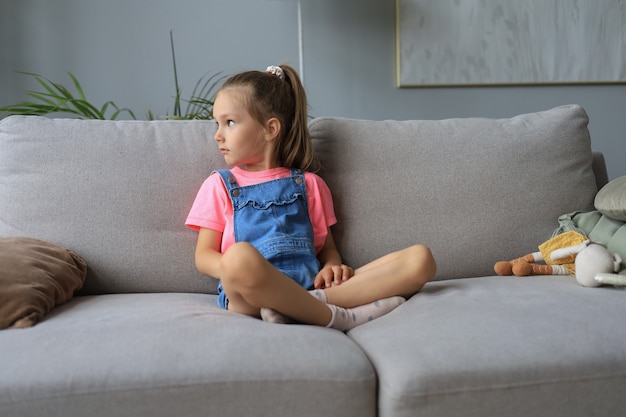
x=611, y=199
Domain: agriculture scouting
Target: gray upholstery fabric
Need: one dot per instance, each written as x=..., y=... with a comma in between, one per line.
x=501, y=346
x=474, y=190
x=116, y=192
x=443, y=183
x=178, y=355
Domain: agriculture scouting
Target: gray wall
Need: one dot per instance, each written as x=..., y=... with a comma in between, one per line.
x=119, y=50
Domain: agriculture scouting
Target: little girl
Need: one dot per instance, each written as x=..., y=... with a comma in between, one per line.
x=264, y=225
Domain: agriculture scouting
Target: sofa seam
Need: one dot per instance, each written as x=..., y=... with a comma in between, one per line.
x=90, y=392
x=499, y=387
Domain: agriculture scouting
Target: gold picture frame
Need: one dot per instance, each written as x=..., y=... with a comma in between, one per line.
x=503, y=42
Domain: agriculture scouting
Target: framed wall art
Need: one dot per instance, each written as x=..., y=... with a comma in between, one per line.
x=503, y=42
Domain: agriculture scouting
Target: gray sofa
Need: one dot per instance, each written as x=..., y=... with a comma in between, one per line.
x=143, y=337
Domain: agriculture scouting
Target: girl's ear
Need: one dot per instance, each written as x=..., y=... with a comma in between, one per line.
x=272, y=128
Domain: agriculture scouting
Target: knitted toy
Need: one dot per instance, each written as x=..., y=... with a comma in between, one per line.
x=589, y=245
x=591, y=263
x=528, y=264
x=594, y=264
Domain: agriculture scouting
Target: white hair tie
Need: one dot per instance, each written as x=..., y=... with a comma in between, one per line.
x=277, y=71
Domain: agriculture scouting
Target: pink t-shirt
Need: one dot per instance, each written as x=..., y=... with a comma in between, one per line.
x=212, y=208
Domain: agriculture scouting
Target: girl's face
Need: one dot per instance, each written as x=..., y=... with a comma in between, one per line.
x=241, y=139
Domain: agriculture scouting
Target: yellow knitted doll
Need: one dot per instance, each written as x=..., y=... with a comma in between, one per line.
x=527, y=264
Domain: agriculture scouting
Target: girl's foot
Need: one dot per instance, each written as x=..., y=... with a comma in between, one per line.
x=272, y=316
x=342, y=319
x=345, y=319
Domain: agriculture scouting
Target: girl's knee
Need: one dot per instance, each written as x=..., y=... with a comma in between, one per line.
x=238, y=251
x=420, y=252
x=239, y=264
x=423, y=261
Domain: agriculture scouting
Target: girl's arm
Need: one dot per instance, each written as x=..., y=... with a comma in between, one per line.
x=332, y=271
x=208, y=253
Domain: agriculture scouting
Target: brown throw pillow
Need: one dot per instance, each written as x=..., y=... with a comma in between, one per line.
x=35, y=276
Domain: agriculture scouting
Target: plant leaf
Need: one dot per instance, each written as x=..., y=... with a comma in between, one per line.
x=177, y=99
x=56, y=98
x=77, y=86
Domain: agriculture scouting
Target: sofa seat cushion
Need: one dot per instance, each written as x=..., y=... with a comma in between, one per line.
x=511, y=346
x=178, y=355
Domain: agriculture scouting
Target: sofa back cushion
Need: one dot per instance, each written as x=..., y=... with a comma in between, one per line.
x=118, y=192
x=115, y=192
x=475, y=190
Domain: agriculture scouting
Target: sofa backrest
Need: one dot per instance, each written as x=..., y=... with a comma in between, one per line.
x=118, y=192
x=474, y=190
x=115, y=192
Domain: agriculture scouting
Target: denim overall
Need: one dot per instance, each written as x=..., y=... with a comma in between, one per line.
x=273, y=216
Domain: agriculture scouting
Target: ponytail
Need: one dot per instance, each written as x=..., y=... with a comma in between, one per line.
x=296, y=149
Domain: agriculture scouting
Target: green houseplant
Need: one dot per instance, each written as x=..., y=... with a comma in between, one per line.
x=58, y=99
x=55, y=98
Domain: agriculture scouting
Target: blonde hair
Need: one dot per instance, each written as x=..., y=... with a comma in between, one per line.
x=268, y=95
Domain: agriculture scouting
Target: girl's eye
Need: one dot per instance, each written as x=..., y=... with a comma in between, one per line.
x=230, y=123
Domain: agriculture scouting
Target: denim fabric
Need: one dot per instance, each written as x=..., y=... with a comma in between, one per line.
x=273, y=216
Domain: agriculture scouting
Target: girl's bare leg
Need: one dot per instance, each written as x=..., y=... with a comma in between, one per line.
x=401, y=273
x=251, y=282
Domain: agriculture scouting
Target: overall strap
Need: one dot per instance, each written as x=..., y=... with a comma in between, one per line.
x=228, y=178
x=298, y=174
x=234, y=190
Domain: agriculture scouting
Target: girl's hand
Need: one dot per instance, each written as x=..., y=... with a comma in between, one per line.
x=331, y=275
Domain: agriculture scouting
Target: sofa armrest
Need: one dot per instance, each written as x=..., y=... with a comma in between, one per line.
x=599, y=169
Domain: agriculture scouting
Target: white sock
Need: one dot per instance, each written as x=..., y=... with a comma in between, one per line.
x=342, y=318
x=319, y=294
x=345, y=319
x=272, y=316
